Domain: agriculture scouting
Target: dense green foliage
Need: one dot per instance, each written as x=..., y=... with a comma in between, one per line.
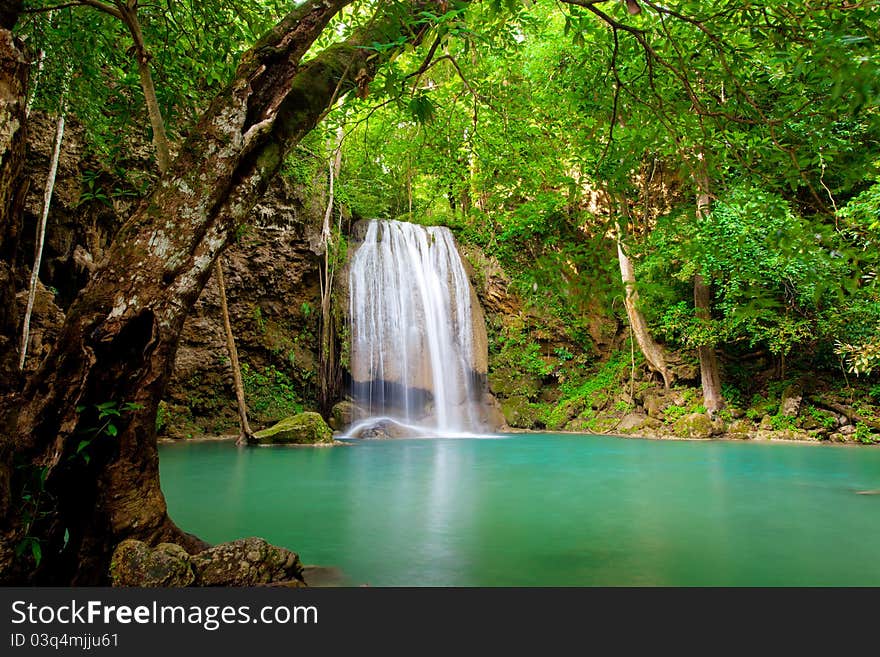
x=534, y=132
x=542, y=132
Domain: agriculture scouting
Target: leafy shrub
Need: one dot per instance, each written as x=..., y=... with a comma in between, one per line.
x=782, y=423
x=864, y=434
x=823, y=418
x=270, y=394
x=673, y=413
x=581, y=397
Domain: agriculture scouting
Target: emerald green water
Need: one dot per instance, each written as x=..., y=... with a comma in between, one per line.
x=547, y=510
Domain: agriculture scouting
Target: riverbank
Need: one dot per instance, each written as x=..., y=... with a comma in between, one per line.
x=762, y=436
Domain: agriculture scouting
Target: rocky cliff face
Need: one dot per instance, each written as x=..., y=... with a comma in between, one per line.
x=271, y=279
x=85, y=211
x=274, y=302
x=531, y=352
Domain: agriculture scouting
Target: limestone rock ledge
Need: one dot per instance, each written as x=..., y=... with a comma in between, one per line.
x=245, y=562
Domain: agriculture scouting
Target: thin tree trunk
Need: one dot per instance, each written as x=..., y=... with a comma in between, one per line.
x=35, y=82
x=245, y=434
x=710, y=374
x=143, y=57
x=41, y=234
x=120, y=335
x=328, y=384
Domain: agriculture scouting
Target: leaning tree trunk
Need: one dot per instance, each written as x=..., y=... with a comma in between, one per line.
x=244, y=433
x=710, y=374
x=652, y=351
x=121, y=333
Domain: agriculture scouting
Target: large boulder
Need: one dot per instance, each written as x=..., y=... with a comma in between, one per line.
x=695, y=425
x=136, y=564
x=491, y=415
x=345, y=413
x=246, y=562
x=382, y=428
x=303, y=429
x=631, y=422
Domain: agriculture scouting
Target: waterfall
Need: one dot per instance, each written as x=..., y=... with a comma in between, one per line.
x=412, y=330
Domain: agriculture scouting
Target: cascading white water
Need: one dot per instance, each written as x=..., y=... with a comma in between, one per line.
x=412, y=338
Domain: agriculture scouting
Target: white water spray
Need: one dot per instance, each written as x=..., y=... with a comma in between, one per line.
x=412, y=342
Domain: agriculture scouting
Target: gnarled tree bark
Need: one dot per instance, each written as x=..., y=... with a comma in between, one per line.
x=13, y=123
x=121, y=333
x=14, y=67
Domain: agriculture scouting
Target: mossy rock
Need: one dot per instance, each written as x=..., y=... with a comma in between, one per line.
x=579, y=424
x=563, y=413
x=631, y=422
x=695, y=425
x=136, y=564
x=246, y=562
x=508, y=382
x=519, y=412
x=345, y=413
x=302, y=429
x=740, y=428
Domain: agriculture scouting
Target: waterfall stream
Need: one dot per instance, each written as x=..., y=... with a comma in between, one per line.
x=412, y=330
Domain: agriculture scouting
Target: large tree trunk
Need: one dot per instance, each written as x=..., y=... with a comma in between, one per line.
x=128, y=15
x=710, y=374
x=14, y=69
x=121, y=333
